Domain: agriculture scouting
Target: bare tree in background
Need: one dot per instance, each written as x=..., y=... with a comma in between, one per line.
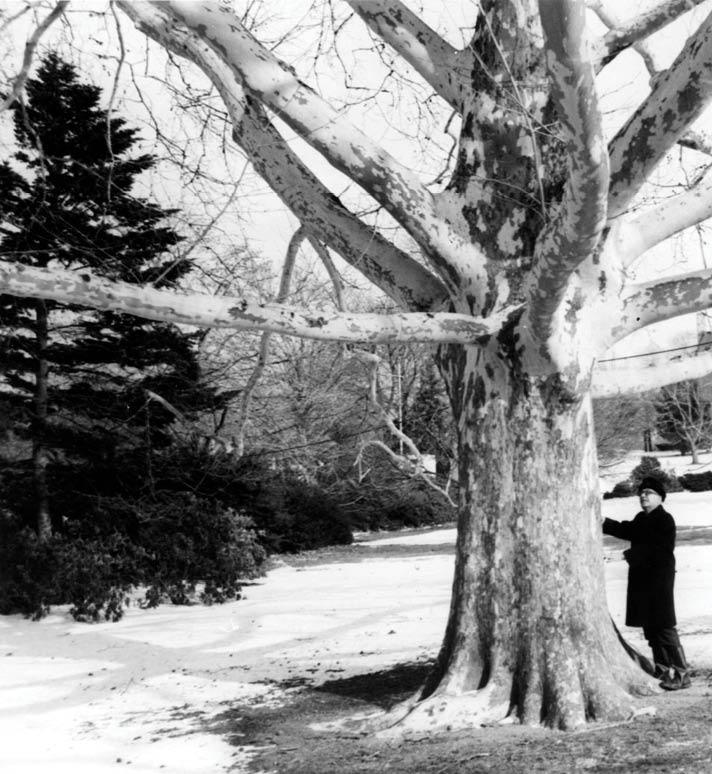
x=684, y=417
x=521, y=271
x=621, y=425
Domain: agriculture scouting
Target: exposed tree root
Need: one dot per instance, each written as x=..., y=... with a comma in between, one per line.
x=607, y=701
x=437, y=713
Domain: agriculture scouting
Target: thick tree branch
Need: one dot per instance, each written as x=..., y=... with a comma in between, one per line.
x=573, y=234
x=695, y=140
x=433, y=58
x=640, y=374
x=390, y=269
x=398, y=275
x=651, y=302
x=226, y=312
x=654, y=225
x=346, y=148
x=678, y=98
x=633, y=31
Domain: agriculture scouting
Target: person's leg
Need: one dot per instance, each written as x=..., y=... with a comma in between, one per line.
x=661, y=658
x=642, y=661
x=669, y=641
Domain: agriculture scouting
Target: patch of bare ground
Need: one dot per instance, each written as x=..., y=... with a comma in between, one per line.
x=676, y=740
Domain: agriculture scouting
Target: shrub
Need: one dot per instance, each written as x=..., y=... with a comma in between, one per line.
x=649, y=467
x=621, y=489
x=697, y=482
x=298, y=516
x=188, y=540
x=170, y=546
x=91, y=575
x=26, y=570
x=411, y=504
x=95, y=576
x=418, y=508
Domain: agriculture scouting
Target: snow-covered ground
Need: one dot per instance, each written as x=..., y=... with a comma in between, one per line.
x=146, y=694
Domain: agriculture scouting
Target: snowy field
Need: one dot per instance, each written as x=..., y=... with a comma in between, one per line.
x=145, y=695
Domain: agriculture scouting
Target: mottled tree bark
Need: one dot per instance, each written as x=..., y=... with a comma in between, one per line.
x=529, y=630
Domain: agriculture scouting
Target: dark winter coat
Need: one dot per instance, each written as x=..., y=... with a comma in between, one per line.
x=651, y=567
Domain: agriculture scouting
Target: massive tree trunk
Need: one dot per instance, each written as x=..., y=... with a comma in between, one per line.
x=529, y=636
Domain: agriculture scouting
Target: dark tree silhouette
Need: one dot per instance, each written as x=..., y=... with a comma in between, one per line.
x=79, y=381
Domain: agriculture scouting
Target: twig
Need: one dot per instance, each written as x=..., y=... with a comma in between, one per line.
x=30, y=47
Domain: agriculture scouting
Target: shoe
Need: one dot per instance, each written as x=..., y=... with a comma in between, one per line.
x=677, y=682
x=680, y=677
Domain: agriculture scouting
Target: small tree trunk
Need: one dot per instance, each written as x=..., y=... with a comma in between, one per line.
x=529, y=635
x=694, y=452
x=39, y=424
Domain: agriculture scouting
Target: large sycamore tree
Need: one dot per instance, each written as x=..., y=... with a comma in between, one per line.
x=522, y=278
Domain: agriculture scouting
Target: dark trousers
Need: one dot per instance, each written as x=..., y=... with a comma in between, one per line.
x=665, y=645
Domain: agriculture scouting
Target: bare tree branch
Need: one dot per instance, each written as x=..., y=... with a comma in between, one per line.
x=336, y=281
x=572, y=235
x=634, y=31
x=19, y=81
x=650, y=302
x=433, y=58
x=228, y=312
x=263, y=353
x=698, y=141
x=392, y=270
x=414, y=465
x=347, y=149
x=693, y=139
x=627, y=377
x=678, y=98
x=654, y=225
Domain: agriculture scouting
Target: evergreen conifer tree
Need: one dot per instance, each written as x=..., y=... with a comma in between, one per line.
x=80, y=382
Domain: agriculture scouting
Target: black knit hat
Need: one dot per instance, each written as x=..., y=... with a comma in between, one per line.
x=652, y=483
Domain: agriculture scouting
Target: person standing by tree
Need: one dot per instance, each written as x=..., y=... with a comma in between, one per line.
x=650, y=599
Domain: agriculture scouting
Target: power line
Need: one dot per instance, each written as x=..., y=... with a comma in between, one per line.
x=656, y=352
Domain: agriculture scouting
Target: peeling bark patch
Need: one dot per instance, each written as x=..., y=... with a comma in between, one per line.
x=640, y=146
x=574, y=307
x=477, y=392
x=689, y=97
